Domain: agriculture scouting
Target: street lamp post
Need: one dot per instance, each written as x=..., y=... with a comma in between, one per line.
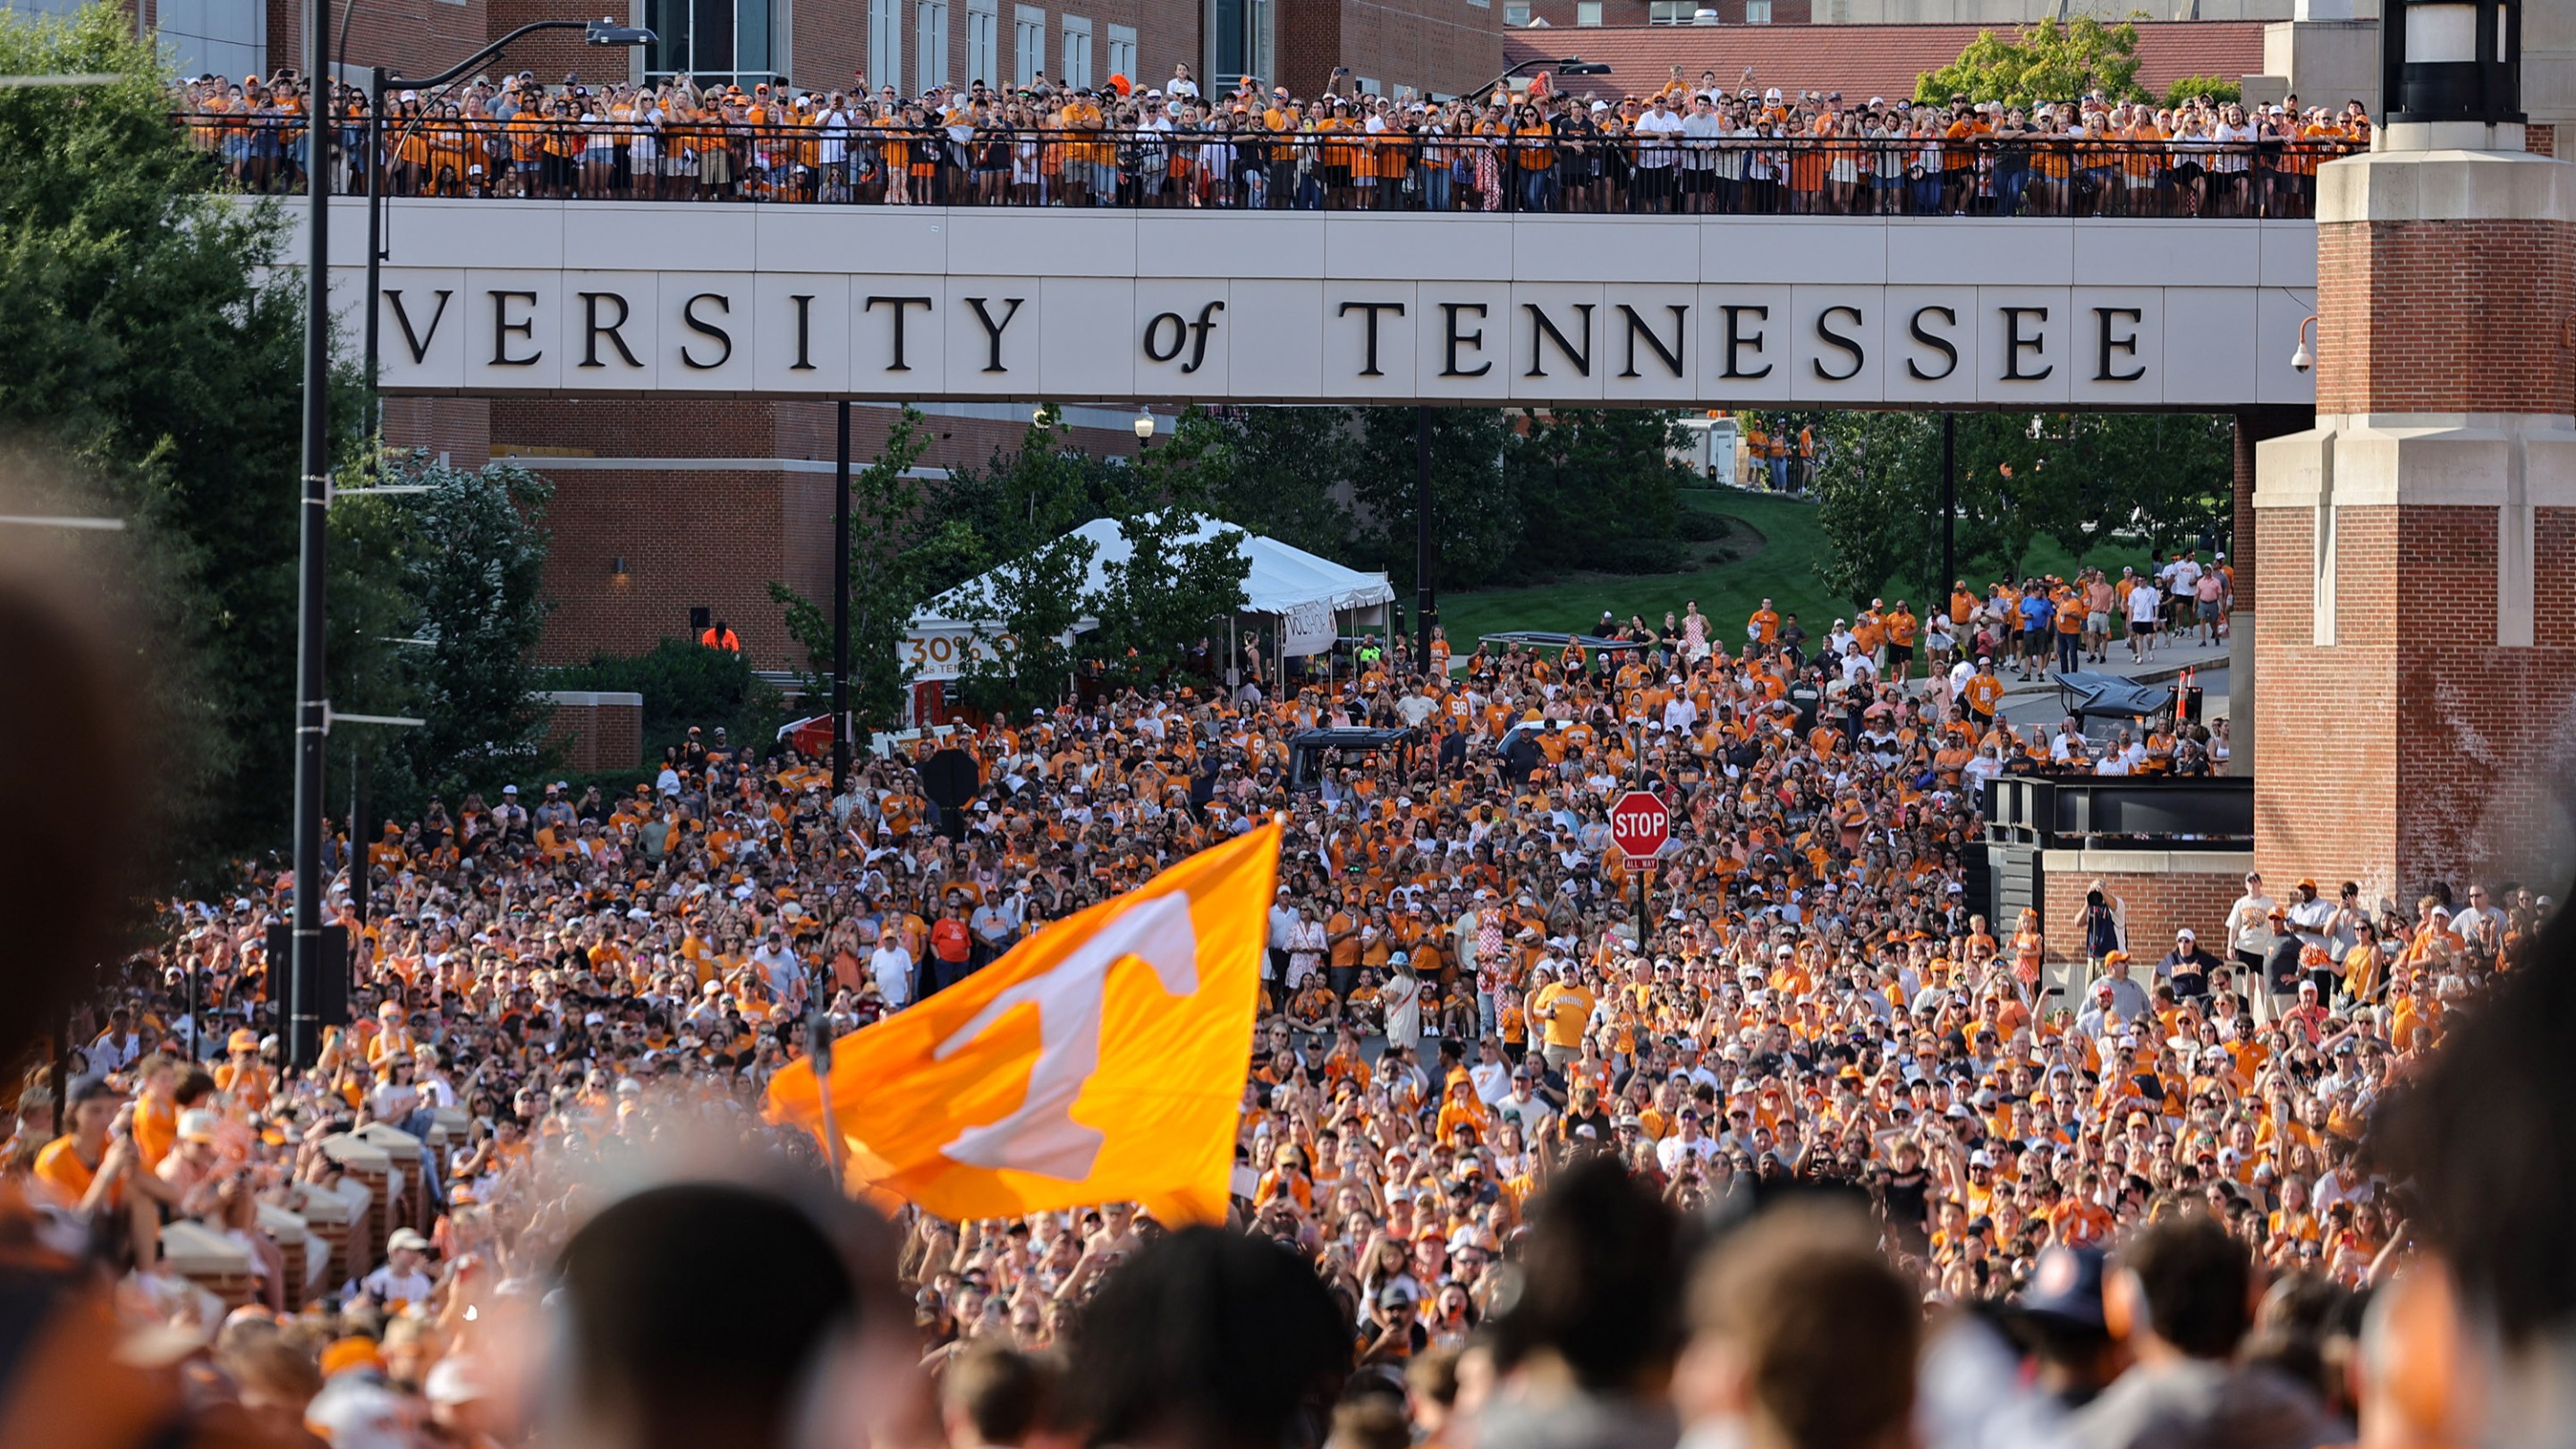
x=312, y=710
x=379, y=80
x=1571, y=65
x=302, y=1036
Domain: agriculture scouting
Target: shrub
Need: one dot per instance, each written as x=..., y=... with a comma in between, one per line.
x=1639, y=556
x=684, y=684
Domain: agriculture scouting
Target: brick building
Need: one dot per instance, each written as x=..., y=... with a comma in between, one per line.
x=1443, y=47
x=669, y=505
x=1858, y=60
x=2416, y=634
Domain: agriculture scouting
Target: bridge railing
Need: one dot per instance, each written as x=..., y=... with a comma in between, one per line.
x=1260, y=170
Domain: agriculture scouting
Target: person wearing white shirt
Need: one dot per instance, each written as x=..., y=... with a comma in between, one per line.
x=891, y=965
x=1680, y=712
x=1658, y=132
x=2143, y=604
x=1491, y=1077
x=117, y=1047
x=1181, y=86
x=1701, y=131
x=2068, y=746
x=1282, y=938
x=1685, y=1142
x=2249, y=927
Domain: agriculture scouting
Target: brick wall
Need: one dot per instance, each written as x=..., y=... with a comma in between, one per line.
x=2253, y=426
x=1448, y=46
x=2420, y=316
x=414, y=37
x=2325, y=727
x=1561, y=14
x=598, y=731
x=712, y=538
x=2413, y=750
x=2554, y=597
x=460, y=427
x=554, y=53
x=2159, y=902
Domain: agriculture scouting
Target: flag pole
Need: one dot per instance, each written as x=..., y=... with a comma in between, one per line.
x=818, y=1046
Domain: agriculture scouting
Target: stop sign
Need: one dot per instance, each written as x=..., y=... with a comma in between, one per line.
x=1640, y=823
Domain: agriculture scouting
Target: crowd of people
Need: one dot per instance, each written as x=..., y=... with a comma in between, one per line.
x=1479, y=1019
x=1692, y=148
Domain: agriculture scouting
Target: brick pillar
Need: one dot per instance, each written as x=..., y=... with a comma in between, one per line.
x=2252, y=426
x=2417, y=635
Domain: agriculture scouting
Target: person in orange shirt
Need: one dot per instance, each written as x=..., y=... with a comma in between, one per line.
x=84, y=1170
x=1764, y=626
x=1900, y=626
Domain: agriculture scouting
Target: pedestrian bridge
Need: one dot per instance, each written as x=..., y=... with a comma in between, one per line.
x=611, y=298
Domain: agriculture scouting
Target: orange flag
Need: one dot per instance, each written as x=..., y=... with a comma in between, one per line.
x=1099, y=1061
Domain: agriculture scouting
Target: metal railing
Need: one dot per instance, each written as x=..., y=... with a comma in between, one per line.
x=1261, y=170
x=2208, y=812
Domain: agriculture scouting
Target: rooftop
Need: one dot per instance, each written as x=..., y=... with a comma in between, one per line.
x=1858, y=60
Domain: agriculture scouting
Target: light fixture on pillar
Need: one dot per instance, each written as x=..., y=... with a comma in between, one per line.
x=2451, y=60
x=2303, y=359
x=1144, y=426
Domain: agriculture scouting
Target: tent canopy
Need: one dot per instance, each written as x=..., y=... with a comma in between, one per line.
x=1305, y=591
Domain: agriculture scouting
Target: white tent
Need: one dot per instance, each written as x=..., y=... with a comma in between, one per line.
x=1307, y=594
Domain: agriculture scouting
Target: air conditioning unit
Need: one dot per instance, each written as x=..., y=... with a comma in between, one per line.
x=1704, y=15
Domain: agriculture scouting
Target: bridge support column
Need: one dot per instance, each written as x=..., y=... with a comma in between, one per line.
x=2417, y=633
x=2252, y=426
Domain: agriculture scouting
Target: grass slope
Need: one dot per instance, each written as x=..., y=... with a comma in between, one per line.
x=1771, y=551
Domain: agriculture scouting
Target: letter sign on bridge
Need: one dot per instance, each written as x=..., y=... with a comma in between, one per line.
x=1640, y=823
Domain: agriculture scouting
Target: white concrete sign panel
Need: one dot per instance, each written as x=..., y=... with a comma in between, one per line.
x=622, y=299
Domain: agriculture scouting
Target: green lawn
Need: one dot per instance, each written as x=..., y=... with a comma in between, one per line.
x=1782, y=568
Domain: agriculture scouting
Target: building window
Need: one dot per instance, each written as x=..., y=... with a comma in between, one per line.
x=1516, y=14
x=1028, y=44
x=930, y=43
x=1076, y=57
x=1122, y=54
x=1670, y=12
x=983, y=45
x=1757, y=12
x=885, y=44
x=1587, y=12
x=714, y=41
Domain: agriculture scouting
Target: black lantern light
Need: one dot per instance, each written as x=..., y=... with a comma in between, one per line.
x=2451, y=60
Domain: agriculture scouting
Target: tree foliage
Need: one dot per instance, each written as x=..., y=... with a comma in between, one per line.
x=468, y=562
x=2050, y=61
x=156, y=353
x=2156, y=480
x=2218, y=90
x=1475, y=523
x=1596, y=489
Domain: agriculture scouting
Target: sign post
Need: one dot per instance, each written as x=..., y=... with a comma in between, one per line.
x=1639, y=825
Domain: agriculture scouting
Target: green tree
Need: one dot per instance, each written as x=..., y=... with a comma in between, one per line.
x=683, y=683
x=156, y=352
x=1278, y=472
x=1597, y=489
x=1877, y=481
x=2049, y=61
x=2217, y=90
x=469, y=558
x=885, y=576
x=1179, y=583
x=1475, y=524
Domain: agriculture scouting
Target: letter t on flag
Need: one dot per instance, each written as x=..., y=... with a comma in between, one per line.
x=1100, y=1060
